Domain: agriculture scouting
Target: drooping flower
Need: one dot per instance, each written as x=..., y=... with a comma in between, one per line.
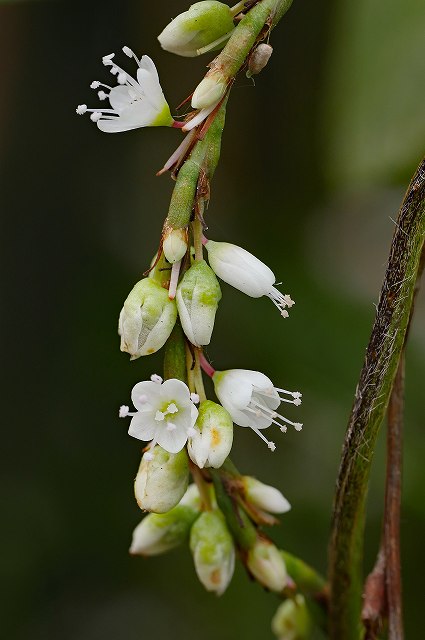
x=165, y=413
x=245, y=272
x=251, y=399
x=204, y=26
x=134, y=103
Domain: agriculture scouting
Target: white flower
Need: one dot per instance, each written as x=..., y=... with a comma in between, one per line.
x=134, y=103
x=165, y=413
x=245, y=272
x=252, y=400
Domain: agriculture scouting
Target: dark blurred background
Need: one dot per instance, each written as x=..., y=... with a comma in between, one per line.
x=315, y=159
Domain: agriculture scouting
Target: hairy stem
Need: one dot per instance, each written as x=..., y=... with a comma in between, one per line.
x=369, y=408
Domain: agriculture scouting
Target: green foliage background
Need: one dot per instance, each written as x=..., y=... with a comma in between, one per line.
x=315, y=160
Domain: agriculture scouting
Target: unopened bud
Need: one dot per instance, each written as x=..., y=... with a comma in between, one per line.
x=162, y=480
x=212, y=442
x=197, y=298
x=213, y=551
x=258, y=59
x=209, y=91
x=201, y=25
x=147, y=319
x=264, y=496
x=267, y=566
x=160, y=532
x=175, y=244
x=292, y=620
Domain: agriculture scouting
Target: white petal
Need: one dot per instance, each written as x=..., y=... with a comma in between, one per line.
x=119, y=98
x=176, y=390
x=171, y=441
x=146, y=389
x=151, y=89
x=115, y=125
x=142, y=426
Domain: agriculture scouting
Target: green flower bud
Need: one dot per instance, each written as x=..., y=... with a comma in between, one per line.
x=162, y=480
x=175, y=244
x=213, y=551
x=147, y=319
x=197, y=298
x=209, y=91
x=266, y=564
x=160, y=532
x=292, y=620
x=202, y=24
x=264, y=496
x=212, y=442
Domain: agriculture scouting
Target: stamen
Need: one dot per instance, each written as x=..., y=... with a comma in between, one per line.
x=82, y=108
x=283, y=428
x=128, y=52
x=172, y=408
x=271, y=445
x=294, y=394
x=95, y=116
x=107, y=60
x=194, y=397
x=102, y=95
x=123, y=411
x=171, y=426
x=143, y=398
x=156, y=378
x=114, y=70
x=159, y=416
x=95, y=84
x=122, y=78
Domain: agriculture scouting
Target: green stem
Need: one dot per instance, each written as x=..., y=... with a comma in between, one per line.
x=370, y=405
x=175, y=357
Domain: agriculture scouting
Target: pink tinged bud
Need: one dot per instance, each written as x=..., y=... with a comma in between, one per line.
x=266, y=564
x=213, y=551
x=264, y=496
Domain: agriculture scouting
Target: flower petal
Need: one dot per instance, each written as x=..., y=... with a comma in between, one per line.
x=171, y=441
x=142, y=426
x=176, y=390
x=146, y=394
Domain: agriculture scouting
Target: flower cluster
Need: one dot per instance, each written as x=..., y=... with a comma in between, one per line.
x=176, y=303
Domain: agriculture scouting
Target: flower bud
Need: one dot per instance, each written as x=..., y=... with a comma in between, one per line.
x=212, y=442
x=213, y=551
x=147, y=319
x=197, y=300
x=162, y=480
x=202, y=24
x=266, y=564
x=264, y=496
x=209, y=92
x=292, y=620
x=160, y=532
x=175, y=244
x=258, y=59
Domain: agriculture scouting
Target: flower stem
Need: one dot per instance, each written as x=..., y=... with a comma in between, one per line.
x=175, y=359
x=370, y=404
x=209, y=370
x=199, y=383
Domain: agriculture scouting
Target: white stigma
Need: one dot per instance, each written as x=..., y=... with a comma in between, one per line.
x=156, y=378
x=123, y=411
x=159, y=416
x=172, y=408
x=171, y=426
x=122, y=78
x=82, y=108
x=128, y=52
x=107, y=60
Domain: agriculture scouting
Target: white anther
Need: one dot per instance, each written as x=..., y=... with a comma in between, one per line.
x=194, y=397
x=82, y=108
x=159, y=416
x=284, y=313
x=171, y=426
x=95, y=116
x=122, y=78
x=297, y=426
x=143, y=398
x=272, y=446
x=114, y=70
x=156, y=378
x=102, y=95
x=95, y=84
x=123, y=411
x=107, y=60
x=284, y=429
